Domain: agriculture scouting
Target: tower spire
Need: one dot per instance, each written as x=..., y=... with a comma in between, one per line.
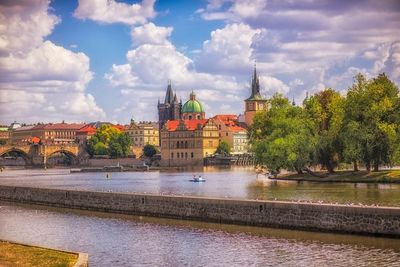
x=255, y=85
x=169, y=96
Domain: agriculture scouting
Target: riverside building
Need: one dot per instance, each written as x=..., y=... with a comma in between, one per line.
x=141, y=134
x=189, y=140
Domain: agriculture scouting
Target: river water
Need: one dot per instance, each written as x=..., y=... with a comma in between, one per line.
x=123, y=240
x=236, y=182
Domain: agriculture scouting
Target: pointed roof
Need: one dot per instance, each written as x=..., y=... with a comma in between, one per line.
x=169, y=96
x=255, y=86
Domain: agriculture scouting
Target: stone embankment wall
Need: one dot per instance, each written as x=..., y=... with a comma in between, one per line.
x=113, y=162
x=320, y=217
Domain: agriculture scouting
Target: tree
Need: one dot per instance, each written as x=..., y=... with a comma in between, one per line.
x=149, y=150
x=372, y=116
x=108, y=140
x=100, y=149
x=114, y=147
x=283, y=136
x=326, y=109
x=223, y=148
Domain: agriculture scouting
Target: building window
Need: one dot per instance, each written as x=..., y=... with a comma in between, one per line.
x=190, y=117
x=181, y=154
x=191, y=155
x=186, y=144
x=177, y=144
x=227, y=134
x=177, y=155
x=198, y=117
x=186, y=155
x=172, y=155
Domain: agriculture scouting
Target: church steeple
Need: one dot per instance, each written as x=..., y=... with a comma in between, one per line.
x=255, y=85
x=255, y=102
x=169, y=96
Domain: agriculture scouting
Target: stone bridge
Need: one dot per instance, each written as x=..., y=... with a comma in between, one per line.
x=38, y=154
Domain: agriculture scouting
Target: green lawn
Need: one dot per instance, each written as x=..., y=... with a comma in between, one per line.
x=384, y=176
x=12, y=254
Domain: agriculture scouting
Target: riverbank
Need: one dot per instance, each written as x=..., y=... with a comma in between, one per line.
x=384, y=176
x=355, y=219
x=15, y=254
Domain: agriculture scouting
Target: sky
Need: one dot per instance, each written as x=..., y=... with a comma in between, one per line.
x=107, y=60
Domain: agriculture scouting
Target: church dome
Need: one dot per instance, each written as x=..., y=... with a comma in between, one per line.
x=192, y=105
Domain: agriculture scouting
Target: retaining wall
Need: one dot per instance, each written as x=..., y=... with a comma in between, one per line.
x=320, y=217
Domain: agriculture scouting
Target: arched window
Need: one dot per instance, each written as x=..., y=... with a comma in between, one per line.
x=186, y=155
x=172, y=155
x=190, y=117
x=177, y=144
x=198, y=116
x=177, y=155
x=186, y=144
x=191, y=155
x=181, y=154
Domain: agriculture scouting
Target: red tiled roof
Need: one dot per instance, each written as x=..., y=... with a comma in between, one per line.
x=59, y=126
x=235, y=128
x=118, y=126
x=190, y=125
x=87, y=129
x=226, y=117
x=35, y=140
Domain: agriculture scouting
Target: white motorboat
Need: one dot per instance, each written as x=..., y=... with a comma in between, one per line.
x=197, y=179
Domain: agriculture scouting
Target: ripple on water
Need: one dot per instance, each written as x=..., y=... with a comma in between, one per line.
x=119, y=240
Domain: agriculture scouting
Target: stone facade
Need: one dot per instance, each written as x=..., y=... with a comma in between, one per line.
x=141, y=134
x=188, y=142
x=230, y=132
x=170, y=109
x=305, y=216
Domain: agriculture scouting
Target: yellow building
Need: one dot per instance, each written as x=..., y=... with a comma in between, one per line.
x=141, y=134
x=255, y=102
x=230, y=132
x=188, y=142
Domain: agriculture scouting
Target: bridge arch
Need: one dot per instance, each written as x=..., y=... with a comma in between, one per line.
x=19, y=152
x=71, y=156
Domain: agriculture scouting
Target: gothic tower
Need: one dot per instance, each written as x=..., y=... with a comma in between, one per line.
x=170, y=109
x=255, y=102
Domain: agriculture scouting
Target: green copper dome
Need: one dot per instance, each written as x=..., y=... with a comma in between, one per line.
x=192, y=105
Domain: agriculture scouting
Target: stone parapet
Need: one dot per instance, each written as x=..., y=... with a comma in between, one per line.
x=383, y=221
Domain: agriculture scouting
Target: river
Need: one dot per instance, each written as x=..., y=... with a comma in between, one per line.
x=236, y=182
x=123, y=240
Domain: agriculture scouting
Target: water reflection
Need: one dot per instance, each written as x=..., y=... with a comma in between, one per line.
x=235, y=182
x=122, y=240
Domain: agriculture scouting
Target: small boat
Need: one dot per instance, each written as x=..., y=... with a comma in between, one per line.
x=198, y=179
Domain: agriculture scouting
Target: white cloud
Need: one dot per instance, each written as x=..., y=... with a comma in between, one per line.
x=237, y=9
x=272, y=85
x=41, y=81
x=110, y=11
x=150, y=65
x=16, y=35
x=150, y=34
x=229, y=50
x=313, y=39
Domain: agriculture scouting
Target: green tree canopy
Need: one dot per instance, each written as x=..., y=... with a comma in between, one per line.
x=371, y=129
x=326, y=109
x=149, y=150
x=283, y=137
x=108, y=140
x=223, y=148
